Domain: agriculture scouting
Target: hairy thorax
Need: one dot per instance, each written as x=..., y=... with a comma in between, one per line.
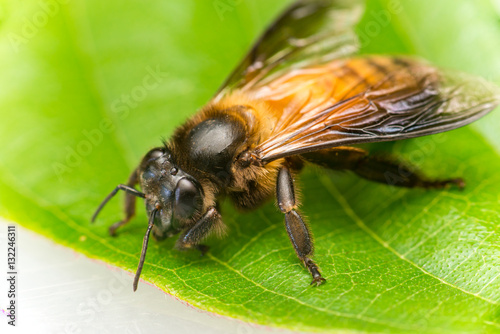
x=213, y=142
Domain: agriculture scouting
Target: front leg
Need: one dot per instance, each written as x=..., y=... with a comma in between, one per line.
x=210, y=221
x=297, y=230
x=130, y=200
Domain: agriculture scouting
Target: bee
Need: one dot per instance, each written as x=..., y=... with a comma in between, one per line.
x=302, y=95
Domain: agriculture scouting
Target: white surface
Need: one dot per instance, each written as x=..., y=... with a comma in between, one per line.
x=60, y=291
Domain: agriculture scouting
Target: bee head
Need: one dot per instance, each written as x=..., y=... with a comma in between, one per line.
x=171, y=195
x=175, y=195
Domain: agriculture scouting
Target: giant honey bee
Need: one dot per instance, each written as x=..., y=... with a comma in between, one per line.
x=301, y=95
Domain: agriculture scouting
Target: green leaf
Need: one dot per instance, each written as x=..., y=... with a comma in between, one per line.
x=89, y=86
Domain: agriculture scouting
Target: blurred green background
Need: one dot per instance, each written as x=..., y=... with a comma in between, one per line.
x=89, y=86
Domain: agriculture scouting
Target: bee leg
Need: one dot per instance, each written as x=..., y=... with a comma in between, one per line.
x=192, y=237
x=297, y=230
x=382, y=169
x=390, y=171
x=129, y=205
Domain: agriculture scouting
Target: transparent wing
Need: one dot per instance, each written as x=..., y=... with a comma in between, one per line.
x=368, y=99
x=308, y=32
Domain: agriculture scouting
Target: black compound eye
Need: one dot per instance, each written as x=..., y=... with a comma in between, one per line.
x=187, y=199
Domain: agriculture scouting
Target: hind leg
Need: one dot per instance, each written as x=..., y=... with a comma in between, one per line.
x=378, y=168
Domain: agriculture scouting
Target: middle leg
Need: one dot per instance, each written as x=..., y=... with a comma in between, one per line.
x=297, y=230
